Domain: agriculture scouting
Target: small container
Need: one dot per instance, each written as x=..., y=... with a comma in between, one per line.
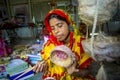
x=38, y=41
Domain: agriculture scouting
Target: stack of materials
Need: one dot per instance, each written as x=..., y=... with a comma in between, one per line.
x=34, y=58
x=3, y=74
x=17, y=67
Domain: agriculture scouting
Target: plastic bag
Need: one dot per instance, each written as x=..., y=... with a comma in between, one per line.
x=105, y=48
x=87, y=10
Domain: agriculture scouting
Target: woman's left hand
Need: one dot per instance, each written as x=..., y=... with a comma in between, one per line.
x=72, y=68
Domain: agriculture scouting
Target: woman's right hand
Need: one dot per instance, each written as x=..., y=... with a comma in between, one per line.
x=41, y=66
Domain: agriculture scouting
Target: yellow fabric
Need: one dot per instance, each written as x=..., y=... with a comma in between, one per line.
x=54, y=69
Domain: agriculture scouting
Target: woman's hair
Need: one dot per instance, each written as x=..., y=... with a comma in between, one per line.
x=44, y=30
x=57, y=17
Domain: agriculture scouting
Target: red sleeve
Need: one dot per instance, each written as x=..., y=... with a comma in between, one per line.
x=81, y=48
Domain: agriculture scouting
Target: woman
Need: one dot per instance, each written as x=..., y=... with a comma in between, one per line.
x=58, y=24
x=4, y=50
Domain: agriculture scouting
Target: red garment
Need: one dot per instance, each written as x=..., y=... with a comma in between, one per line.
x=3, y=49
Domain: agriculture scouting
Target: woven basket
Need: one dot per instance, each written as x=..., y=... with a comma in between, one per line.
x=62, y=56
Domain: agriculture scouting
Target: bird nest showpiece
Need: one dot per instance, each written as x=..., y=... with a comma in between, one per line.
x=62, y=56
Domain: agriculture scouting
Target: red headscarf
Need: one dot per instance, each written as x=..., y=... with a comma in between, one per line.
x=64, y=15
x=58, y=12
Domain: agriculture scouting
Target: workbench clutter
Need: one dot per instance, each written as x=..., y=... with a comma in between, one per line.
x=3, y=74
x=13, y=69
x=18, y=67
x=22, y=58
x=20, y=51
x=34, y=58
x=4, y=60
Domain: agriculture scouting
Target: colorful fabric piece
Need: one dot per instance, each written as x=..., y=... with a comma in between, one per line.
x=3, y=49
x=57, y=72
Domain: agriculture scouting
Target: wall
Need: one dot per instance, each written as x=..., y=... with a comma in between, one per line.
x=3, y=11
x=2, y=3
x=37, y=10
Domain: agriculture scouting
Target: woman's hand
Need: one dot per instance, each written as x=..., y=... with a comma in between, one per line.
x=72, y=68
x=41, y=66
x=82, y=73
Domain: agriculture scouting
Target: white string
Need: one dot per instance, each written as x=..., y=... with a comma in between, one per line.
x=93, y=29
x=101, y=75
x=87, y=33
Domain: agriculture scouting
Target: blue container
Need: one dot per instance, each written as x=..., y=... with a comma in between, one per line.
x=38, y=41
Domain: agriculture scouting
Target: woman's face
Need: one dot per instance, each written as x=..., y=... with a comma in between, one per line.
x=59, y=29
